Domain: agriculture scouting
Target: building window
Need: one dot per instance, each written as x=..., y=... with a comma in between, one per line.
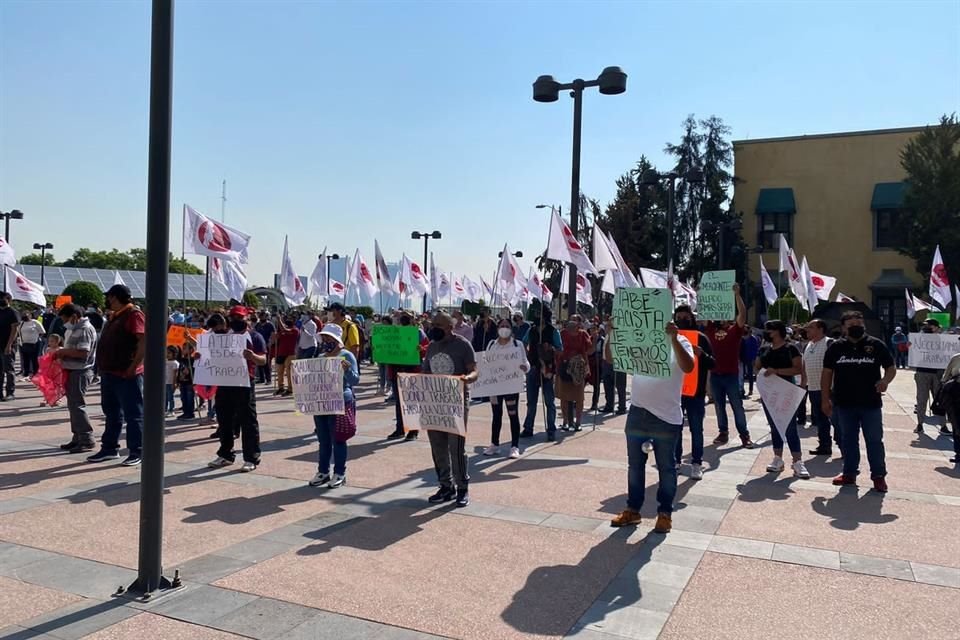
x=892, y=310
x=885, y=229
x=771, y=225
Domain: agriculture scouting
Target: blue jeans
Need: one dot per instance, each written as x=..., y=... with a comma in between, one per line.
x=122, y=399
x=820, y=420
x=642, y=426
x=170, y=404
x=852, y=420
x=793, y=437
x=695, y=409
x=187, y=399
x=324, y=428
x=726, y=386
x=533, y=397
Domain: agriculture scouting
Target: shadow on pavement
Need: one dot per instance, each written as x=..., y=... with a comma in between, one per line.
x=768, y=487
x=847, y=510
x=373, y=534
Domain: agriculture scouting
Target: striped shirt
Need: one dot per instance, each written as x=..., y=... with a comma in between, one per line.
x=813, y=362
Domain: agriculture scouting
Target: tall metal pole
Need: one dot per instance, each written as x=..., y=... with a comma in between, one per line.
x=43, y=261
x=150, y=565
x=670, y=225
x=6, y=228
x=575, y=189
x=426, y=241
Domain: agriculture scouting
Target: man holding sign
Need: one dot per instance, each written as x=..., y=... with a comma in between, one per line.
x=656, y=415
x=694, y=404
x=725, y=337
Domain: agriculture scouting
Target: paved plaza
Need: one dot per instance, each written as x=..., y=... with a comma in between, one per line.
x=265, y=556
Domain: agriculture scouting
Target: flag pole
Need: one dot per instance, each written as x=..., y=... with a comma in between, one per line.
x=183, y=259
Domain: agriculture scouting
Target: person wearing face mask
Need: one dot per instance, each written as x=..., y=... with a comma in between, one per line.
x=120, y=357
x=850, y=388
x=506, y=343
x=449, y=354
x=694, y=406
x=725, y=338
x=573, y=372
x=77, y=357
x=404, y=320
x=781, y=358
x=462, y=327
x=927, y=380
x=9, y=324
x=237, y=406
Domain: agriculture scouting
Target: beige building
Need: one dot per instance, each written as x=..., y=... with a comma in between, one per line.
x=835, y=197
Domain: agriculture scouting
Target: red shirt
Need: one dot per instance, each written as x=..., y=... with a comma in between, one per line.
x=287, y=342
x=726, y=348
x=117, y=347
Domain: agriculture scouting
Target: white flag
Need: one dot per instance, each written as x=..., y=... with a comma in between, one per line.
x=384, y=280
x=361, y=277
x=412, y=278
x=231, y=275
x=459, y=291
x=629, y=280
x=337, y=288
x=434, y=279
x=117, y=279
x=319, y=279
x=539, y=288
x=443, y=290
x=939, y=282
x=20, y=288
x=488, y=292
x=808, y=286
x=510, y=278
x=473, y=290
x=609, y=285
x=603, y=258
x=911, y=308
x=584, y=294
x=7, y=255
x=797, y=280
x=563, y=245
x=290, y=285
x=784, y=254
x=823, y=284
x=653, y=279
x=205, y=237
x=769, y=290
x=842, y=297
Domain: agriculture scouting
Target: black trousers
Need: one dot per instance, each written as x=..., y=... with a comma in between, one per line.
x=513, y=412
x=614, y=379
x=29, y=354
x=236, y=409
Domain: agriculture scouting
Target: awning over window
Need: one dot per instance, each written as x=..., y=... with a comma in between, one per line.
x=894, y=279
x=776, y=201
x=887, y=195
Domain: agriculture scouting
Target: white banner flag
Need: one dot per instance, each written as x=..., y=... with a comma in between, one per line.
x=603, y=258
x=20, y=288
x=769, y=290
x=7, y=255
x=290, y=285
x=842, y=297
x=231, y=275
x=939, y=282
x=473, y=290
x=205, y=237
x=784, y=250
x=808, y=286
x=823, y=284
x=563, y=245
x=361, y=277
x=319, y=278
x=384, y=281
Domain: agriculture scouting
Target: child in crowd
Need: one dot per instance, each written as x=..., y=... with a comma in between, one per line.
x=173, y=370
x=54, y=342
x=185, y=380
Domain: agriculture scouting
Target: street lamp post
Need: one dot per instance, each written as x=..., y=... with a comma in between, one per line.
x=651, y=177
x=16, y=214
x=333, y=256
x=43, y=256
x=612, y=81
x=416, y=235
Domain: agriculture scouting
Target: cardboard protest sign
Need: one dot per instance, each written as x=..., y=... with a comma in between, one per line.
x=932, y=350
x=221, y=361
x=715, y=299
x=395, y=344
x=691, y=379
x=780, y=398
x=62, y=300
x=318, y=386
x=434, y=403
x=638, y=344
x=499, y=372
x=177, y=335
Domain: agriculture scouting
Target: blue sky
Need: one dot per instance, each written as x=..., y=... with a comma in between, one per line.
x=339, y=122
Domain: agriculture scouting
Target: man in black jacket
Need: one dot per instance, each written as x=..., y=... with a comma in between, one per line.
x=694, y=406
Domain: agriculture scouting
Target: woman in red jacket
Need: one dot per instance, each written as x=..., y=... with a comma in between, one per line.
x=573, y=369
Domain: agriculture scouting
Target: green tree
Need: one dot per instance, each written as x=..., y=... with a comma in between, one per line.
x=788, y=309
x=932, y=199
x=84, y=293
x=34, y=258
x=131, y=260
x=251, y=300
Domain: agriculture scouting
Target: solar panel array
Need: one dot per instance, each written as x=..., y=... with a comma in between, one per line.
x=179, y=287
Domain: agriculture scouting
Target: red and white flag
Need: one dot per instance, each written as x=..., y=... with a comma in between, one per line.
x=290, y=285
x=584, y=290
x=809, y=287
x=384, y=281
x=231, y=275
x=412, y=278
x=337, y=288
x=823, y=284
x=842, y=297
x=319, y=279
x=443, y=286
x=20, y=288
x=205, y=237
x=629, y=279
x=563, y=245
x=510, y=279
x=459, y=291
x=7, y=255
x=795, y=275
x=539, y=289
x=769, y=290
x=473, y=290
x=784, y=249
x=361, y=277
x=939, y=282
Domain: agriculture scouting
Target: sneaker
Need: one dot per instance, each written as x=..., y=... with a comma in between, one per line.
x=514, y=452
x=800, y=470
x=103, y=456
x=776, y=465
x=577, y=428
x=747, y=443
x=442, y=495
x=337, y=481
x=723, y=438
x=396, y=435
x=526, y=434
x=81, y=447
x=412, y=435
x=463, y=498
x=945, y=429
x=219, y=462
x=664, y=523
x=564, y=427
x=132, y=460
x=248, y=467
x=842, y=480
x=696, y=471
x=821, y=451
x=626, y=518
x=492, y=450
x=879, y=484
x=319, y=480
x=919, y=429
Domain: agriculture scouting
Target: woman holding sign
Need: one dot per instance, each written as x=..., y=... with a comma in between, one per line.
x=331, y=436
x=505, y=344
x=781, y=358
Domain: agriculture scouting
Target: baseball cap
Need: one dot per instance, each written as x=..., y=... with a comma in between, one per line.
x=336, y=306
x=933, y=322
x=238, y=310
x=119, y=291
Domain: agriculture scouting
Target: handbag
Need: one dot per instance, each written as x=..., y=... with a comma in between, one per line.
x=345, y=426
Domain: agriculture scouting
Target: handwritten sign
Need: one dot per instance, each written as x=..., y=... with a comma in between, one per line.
x=177, y=335
x=221, y=361
x=395, y=344
x=434, y=403
x=780, y=398
x=932, y=350
x=499, y=372
x=62, y=300
x=638, y=344
x=690, y=380
x=318, y=386
x=715, y=299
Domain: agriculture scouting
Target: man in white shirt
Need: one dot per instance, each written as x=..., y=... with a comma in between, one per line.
x=307, y=344
x=810, y=380
x=656, y=416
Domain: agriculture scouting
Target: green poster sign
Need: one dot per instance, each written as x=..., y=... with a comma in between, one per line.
x=942, y=317
x=715, y=299
x=395, y=344
x=639, y=344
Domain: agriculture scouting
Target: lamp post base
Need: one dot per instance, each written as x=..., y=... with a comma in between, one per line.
x=138, y=592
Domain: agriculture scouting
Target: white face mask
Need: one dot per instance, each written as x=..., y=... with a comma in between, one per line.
x=504, y=332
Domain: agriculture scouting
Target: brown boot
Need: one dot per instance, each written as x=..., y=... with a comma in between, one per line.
x=746, y=442
x=626, y=518
x=664, y=523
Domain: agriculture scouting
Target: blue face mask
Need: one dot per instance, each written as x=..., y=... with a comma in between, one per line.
x=327, y=347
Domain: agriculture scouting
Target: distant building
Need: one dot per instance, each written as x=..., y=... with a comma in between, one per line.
x=836, y=198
